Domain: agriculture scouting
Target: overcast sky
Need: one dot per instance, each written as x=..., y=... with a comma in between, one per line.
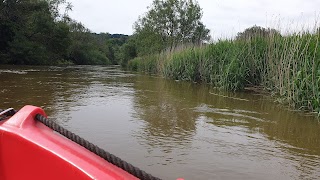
x=223, y=17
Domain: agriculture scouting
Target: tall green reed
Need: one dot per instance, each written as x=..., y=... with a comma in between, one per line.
x=288, y=66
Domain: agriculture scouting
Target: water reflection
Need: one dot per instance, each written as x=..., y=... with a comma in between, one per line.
x=167, y=116
x=199, y=121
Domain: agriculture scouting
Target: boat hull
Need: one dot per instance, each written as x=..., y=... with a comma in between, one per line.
x=30, y=150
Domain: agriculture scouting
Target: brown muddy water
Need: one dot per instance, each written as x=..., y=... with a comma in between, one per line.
x=171, y=129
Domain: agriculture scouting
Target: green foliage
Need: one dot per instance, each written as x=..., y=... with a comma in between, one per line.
x=87, y=48
x=257, y=32
x=169, y=23
x=128, y=51
x=31, y=34
x=112, y=46
x=146, y=64
x=148, y=42
x=36, y=33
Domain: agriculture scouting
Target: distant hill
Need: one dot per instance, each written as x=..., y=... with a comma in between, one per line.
x=115, y=39
x=118, y=36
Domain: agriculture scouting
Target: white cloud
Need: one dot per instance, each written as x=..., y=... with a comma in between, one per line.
x=223, y=17
x=116, y=16
x=227, y=17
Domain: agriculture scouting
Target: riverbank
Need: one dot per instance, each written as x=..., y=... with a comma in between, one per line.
x=286, y=66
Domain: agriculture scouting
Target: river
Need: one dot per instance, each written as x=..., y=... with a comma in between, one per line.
x=168, y=128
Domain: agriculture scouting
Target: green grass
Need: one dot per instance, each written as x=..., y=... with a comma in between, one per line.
x=288, y=66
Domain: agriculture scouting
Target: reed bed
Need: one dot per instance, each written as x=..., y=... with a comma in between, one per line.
x=288, y=66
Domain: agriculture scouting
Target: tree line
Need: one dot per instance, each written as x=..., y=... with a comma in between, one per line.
x=36, y=32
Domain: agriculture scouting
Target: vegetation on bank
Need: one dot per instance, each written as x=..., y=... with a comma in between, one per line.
x=35, y=32
x=286, y=65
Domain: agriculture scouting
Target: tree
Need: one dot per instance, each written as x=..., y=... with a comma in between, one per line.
x=57, y=6
x=128, y=51
x=30, y=33
x=256, y=31
x=169, y=23
x=39, y=32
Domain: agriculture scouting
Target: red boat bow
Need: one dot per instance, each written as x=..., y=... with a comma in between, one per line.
x=31, y=150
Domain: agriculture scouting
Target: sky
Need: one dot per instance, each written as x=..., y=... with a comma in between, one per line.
x=223, y=17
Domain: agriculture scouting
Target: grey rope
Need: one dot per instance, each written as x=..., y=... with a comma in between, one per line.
x=95, y=149
x=5, y=113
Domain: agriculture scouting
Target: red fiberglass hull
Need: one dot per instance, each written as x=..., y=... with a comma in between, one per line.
x=30, y=150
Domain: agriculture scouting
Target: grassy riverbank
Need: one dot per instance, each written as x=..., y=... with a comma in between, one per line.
x=288, y=66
